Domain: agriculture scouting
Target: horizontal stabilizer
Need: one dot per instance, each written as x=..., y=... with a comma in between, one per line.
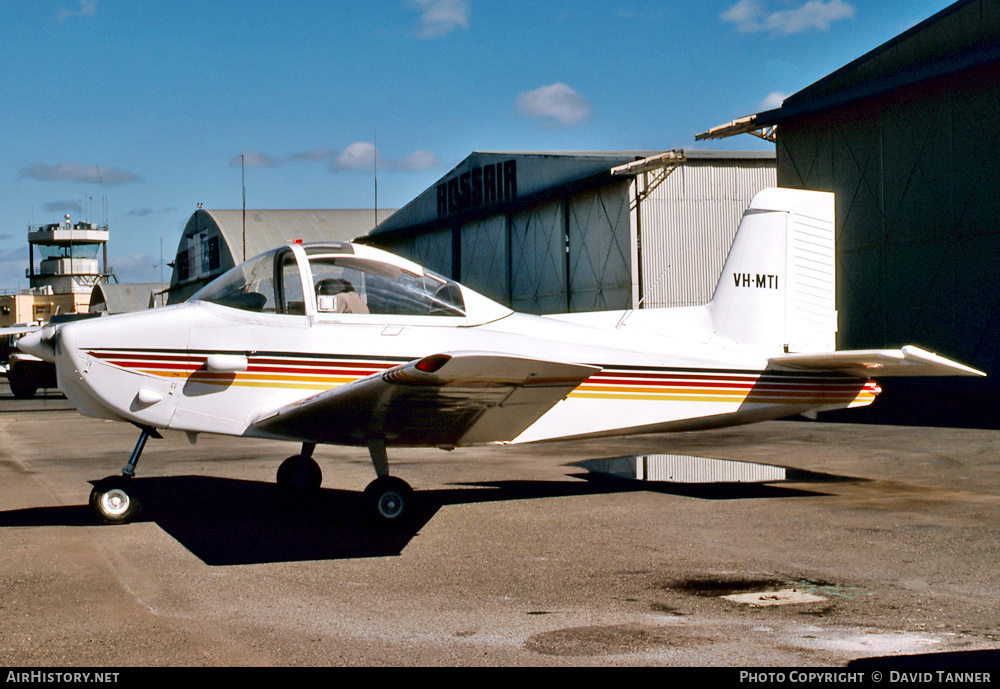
x=440, y=400
x=875, y=363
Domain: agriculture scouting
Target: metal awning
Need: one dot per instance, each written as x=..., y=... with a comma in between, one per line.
x=759, y=125
x=667, y=159
x=661, y=165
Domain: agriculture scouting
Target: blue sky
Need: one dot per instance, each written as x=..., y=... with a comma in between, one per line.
x=134, y=112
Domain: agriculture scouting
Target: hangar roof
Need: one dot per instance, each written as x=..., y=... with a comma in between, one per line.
x=266, y=229
x=508, y=175
x=489, y=182
x=125, y=297
x=959, y=37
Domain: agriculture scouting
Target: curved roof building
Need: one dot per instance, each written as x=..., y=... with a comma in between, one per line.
x=214, y=241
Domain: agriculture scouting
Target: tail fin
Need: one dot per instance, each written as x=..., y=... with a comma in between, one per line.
x=777, y=289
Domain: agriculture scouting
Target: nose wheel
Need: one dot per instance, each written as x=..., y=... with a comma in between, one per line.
x=113, y=500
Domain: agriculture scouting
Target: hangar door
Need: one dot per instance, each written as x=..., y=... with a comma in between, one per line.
x=432, y=250
x=600, y=276
x=538, y=259
x=568, y=255
x=485, y=256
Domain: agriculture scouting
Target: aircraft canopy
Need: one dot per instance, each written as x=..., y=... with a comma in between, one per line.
x=341, y=278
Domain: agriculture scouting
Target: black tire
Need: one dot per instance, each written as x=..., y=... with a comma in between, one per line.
x=114, y=501
x=389, y=500
x=22, y=382
x=299, y=476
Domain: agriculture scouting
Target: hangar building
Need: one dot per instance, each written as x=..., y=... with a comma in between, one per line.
x=907, y=138
x=214, y=241
x=582, y=231
x=113, y=297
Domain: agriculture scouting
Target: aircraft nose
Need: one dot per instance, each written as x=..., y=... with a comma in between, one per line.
x=41, y=343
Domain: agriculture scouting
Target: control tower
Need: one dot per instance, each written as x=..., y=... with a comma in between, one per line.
x=69, y=262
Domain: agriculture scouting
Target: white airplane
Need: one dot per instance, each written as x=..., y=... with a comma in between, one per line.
x=346, y=344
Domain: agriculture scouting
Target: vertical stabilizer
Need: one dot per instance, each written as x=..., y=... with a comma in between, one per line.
x=777, y=289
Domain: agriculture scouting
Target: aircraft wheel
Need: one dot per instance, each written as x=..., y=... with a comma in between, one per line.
x=389, y=500
x=22, y=382
x=299, y=475
x=114, y=502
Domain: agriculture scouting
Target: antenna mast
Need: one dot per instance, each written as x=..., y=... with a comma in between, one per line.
x=243, y=171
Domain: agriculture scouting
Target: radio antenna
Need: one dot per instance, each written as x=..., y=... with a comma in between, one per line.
x=243, y=171
x=630, y=310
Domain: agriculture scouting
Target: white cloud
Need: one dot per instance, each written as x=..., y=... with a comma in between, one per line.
x=438, y=17
x=746, y=14
x=557, y=103
x=773, y=100
x=418, y=161
x=751, y=16
x=253, y=159
x=361, y=156
x=358, y=157
x=76, y=172
x=88, y=8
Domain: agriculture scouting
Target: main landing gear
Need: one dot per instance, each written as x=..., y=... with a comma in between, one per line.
x=300, y=475
x=388, y=500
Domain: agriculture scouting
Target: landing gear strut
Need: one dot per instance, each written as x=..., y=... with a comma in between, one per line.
x=113, y=499
x=388, y=500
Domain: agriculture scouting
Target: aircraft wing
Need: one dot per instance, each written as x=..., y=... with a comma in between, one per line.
x=875, y=363
x=19, y=329
x=440, y=400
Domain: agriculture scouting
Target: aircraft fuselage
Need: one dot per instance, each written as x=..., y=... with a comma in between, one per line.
x=197, y=379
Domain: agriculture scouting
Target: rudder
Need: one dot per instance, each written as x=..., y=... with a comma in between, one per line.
x=777, y=289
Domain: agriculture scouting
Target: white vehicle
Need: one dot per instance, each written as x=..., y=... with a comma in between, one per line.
x=345, y=344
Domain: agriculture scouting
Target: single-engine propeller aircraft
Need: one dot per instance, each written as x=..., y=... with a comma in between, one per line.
x=345, y=344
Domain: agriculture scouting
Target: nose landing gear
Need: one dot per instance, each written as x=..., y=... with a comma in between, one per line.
x=113, y=499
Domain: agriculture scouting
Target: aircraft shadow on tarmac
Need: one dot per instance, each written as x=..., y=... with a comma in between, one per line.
x=226, y=521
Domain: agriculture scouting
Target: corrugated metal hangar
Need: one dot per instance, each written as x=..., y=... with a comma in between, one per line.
x=214, y=241
x=564, y=232
x=907, y=138
x=112, y=297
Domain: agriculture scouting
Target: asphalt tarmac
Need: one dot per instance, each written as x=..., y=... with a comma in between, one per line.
x=879, y=549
